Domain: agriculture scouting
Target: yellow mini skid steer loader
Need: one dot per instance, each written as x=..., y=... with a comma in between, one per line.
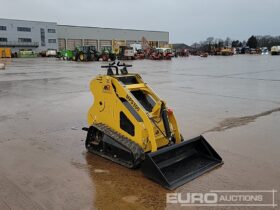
x=130, y=125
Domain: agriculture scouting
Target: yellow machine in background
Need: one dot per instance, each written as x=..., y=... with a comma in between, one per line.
x=166, y=46
x=122, y=51
x=130, y=125
x=226, y=51
x=5, y=53
x=116, y=44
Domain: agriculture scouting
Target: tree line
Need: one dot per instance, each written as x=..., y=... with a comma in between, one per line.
x=252, y=42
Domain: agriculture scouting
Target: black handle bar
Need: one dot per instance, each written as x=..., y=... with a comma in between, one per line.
x=119, y=64
x=113, y=65
x=109, y=67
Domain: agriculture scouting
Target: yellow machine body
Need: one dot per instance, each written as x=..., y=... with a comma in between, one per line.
x=111, y=95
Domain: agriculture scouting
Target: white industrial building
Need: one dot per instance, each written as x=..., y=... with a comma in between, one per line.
x=22, y=34
x=40, y=36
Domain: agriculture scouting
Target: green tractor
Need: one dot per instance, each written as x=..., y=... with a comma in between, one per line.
x=107, y=54
x=85, y=53
x=65, y=55
x=27, y=54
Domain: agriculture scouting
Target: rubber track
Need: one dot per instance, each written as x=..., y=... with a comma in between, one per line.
x=136, y=150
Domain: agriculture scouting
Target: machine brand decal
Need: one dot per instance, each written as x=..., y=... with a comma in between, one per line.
x=134, y=105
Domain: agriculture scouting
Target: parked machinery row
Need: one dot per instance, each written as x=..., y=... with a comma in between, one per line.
x=121, y=50
x=89, y=53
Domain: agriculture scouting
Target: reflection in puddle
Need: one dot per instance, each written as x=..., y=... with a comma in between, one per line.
x=120, y=188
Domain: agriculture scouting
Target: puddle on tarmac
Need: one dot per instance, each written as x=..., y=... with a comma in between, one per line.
x=117, y=187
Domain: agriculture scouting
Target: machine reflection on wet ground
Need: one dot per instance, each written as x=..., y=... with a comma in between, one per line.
x=120, y=188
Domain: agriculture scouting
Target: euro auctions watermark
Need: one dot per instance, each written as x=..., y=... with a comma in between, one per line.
x=215, y=198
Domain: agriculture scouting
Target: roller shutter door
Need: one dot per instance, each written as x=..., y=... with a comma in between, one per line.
x=129, y=42
x=61, y=44
x=90, y=42
x=163, y=44
x=72, y=43
x=105, y=43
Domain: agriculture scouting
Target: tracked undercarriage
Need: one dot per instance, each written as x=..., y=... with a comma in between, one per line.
x=103, y=141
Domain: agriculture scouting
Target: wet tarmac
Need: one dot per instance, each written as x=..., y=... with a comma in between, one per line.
x=234, y=101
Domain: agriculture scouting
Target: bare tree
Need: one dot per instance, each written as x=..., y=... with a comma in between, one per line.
x=227, y=42
x=210, y=40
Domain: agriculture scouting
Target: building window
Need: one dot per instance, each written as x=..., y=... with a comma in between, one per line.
x=3, y=39
x=51, y=30
x=3, y=28
x=52, y=40
x=43, y=40
x=24, y=29
x=24, y=40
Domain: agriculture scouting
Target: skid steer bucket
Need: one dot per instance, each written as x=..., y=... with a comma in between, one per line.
x=180, y=163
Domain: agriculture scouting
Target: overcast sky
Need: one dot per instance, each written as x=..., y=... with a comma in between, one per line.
x=187, y=21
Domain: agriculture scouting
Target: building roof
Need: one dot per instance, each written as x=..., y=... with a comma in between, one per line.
x=181, y=46
x=28, y=20
x=113, y=28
